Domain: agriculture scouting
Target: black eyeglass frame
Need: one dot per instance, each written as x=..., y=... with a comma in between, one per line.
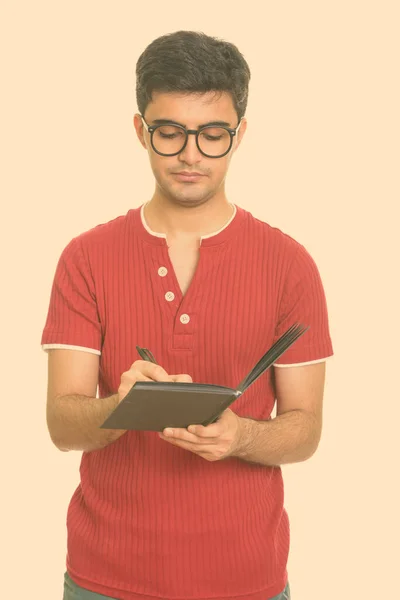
x=152, y=128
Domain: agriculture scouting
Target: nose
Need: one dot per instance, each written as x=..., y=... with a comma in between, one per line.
x=191, y=154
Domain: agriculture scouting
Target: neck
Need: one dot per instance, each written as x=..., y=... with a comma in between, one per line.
x=188, y=222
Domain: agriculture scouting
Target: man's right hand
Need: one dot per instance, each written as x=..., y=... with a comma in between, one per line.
x=142, y=370
x=74, y=413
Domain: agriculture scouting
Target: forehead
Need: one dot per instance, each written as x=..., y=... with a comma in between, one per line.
x=192, y=109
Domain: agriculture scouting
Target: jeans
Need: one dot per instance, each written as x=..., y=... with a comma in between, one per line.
x=74, y=592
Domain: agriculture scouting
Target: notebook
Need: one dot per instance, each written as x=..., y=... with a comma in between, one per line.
x=155, y=405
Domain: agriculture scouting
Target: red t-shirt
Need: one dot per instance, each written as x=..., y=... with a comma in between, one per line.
x=149, y=519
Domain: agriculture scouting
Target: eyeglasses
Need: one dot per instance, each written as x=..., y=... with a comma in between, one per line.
x=170, y=139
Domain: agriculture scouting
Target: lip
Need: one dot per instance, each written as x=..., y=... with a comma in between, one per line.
x=187, y=176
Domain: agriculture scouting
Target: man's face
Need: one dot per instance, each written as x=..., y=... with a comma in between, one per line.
x=192, y=111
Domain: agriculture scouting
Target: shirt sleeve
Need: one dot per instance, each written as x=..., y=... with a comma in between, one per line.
x=72, y=318
x=303, y=301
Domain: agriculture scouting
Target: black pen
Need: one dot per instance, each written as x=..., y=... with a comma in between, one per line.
x=146, y=354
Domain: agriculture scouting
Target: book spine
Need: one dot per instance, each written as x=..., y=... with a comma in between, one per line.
x=221, y=409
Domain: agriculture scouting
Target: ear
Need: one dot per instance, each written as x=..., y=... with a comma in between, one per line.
x=240, y=134
x=140, y=131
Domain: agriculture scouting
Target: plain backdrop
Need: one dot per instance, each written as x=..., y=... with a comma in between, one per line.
x=320, y=160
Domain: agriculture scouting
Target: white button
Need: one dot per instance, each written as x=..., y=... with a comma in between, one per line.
x=184, y=319
x=162, y=271
x=169, y=296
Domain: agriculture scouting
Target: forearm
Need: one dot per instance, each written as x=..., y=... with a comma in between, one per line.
x=289, y=438
x=74, y=422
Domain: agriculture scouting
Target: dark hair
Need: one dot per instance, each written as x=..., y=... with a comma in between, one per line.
x=192, y=62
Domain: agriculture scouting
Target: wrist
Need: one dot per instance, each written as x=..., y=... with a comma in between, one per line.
x=244, y=434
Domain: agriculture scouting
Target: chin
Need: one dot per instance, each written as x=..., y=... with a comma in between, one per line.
x=189, y=201
x=188, y=196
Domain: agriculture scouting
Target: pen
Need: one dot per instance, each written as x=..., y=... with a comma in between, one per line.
x=146, y=354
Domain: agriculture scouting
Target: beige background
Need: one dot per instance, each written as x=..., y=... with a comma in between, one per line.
x=320, y=160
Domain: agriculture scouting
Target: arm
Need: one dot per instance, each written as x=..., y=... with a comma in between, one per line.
x=73, y=412
x=294, y=434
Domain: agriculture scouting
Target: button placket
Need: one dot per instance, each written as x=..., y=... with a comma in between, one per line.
x=184, y=323
x=184, y=326
x=186, y=320
x=163, y=272
x=164, y=284
x=183, y=310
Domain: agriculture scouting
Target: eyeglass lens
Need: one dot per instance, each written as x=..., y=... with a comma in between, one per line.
x=170, y=139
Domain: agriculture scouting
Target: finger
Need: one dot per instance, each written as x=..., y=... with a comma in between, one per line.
x=189, y=445
x=213, y=430
x=138, y=376
x=151, y=370
x=129, y=377
x=181, y=434
x=128, y=380
x=204, y=451
x=182, y=378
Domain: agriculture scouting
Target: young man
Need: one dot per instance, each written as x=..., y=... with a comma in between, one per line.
x=196, y=513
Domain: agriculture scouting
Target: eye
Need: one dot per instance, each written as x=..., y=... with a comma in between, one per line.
x=214, y=134
x=168, y=136
x=169, y=132
x=213, y=138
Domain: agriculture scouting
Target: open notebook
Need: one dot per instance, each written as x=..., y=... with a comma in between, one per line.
x=155, y=405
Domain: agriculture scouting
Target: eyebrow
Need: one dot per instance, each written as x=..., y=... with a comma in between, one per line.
x=213, y=123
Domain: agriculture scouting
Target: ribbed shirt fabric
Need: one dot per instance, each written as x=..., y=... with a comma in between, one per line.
x=149, y=520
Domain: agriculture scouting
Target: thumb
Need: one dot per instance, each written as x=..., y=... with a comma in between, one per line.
x=183, y=378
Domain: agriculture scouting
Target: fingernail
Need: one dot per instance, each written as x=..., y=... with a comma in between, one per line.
x=168, y=432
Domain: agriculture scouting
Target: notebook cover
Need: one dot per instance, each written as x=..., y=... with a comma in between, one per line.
x=153, y=406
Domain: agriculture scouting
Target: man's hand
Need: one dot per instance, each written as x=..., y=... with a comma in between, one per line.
x=142, y=370
x=214, y=442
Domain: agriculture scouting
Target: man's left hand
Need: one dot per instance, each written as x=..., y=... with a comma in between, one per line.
x=214, y=442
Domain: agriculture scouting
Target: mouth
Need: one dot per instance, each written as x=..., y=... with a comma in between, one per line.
x=187, y=176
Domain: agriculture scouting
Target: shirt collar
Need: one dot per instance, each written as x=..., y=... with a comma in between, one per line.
x=212, y=239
